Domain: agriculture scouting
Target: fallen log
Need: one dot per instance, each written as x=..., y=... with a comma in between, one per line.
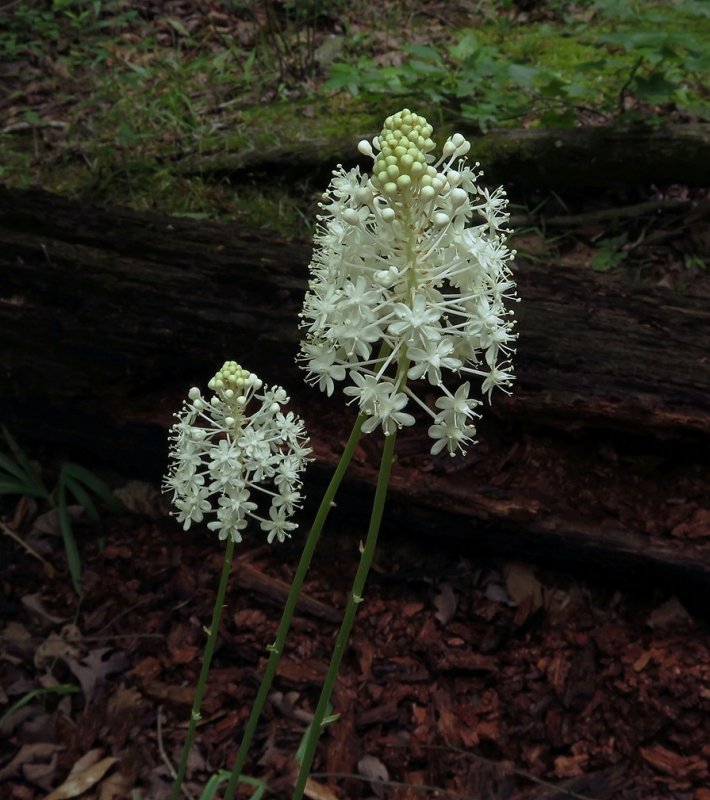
x=587, y=157
x=107, y=316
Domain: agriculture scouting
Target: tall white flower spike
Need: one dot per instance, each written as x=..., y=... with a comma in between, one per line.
x=222, y=449
x=408, y=281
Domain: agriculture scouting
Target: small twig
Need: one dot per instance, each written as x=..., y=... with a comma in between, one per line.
x=111, y=638
x=164, y=755
x=48, y=568
x=26, y=126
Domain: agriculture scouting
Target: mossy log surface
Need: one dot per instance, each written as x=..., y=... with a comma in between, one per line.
x=590, y=157
x=108, y=316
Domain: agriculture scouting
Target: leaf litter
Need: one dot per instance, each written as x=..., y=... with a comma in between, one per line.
x=483, y=678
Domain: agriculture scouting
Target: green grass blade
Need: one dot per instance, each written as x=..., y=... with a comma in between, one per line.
x=97, y=486
x=12, y=467
x=70, y=547
x=9, y=486
x=62, y=688
x=33, y=479
x=213, y=784
x=210, y=790
x=82, y=496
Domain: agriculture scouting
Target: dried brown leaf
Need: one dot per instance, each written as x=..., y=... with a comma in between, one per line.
x=79, y=782
x=375, y=771
x=445, y=603
x=29, y=754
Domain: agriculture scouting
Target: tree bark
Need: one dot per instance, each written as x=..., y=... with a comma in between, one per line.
x=108, y=316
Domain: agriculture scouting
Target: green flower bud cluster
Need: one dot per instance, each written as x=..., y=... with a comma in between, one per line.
x=233, y=381
x=401, y=165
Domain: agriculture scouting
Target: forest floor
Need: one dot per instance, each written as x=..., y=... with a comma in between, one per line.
x=465, y=677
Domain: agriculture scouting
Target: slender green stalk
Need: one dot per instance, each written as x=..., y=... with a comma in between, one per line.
x=368, y=553
x=206, y=661
x=276, y=649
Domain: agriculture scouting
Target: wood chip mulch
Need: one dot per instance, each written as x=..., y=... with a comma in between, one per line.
x=464, y=677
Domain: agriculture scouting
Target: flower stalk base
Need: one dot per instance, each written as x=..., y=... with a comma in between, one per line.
x=356, y=596
x=206, y=661
x=276, y=649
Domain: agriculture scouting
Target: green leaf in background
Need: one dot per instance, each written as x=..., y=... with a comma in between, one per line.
x=424, y=52
x=61, y=688
x=210, y=790
x=14, y=486
x=11, y=467
x=24, y=469
x=466, y=46
x=609, y=253
x=97, y=486
x=523, y=75
x=654, y=88
x=73, y=560
x=81, y=495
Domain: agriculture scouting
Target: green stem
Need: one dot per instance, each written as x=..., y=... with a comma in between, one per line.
x=368, y=553
x=206, y=661
x=276, y=649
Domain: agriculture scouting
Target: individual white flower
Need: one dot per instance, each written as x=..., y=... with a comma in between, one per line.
x=408, y=281
x=430, y=359
x=368, y=391
x=460, y=405
x=387, y=411
x=224, y=450
x=277, y=526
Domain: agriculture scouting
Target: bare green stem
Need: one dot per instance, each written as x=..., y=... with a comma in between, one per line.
x=206, y=661
x=276, y=649
x=356, y=596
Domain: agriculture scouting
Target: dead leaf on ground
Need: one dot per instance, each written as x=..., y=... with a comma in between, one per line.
x=52, y=648
x=48, y=523
x=317, y=791
x=669, y=614
x=116, y=785
x=140, y=497
x=445, y=603
x=375, y=771
x=29, y=754
x=79, y=782
x=521, y=583
x=93, y=670
x=34, y=603
x=15, y=643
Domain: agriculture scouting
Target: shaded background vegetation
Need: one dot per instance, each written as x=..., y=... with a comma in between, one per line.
x=122, y=102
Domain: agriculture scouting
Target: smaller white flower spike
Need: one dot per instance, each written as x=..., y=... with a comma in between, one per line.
x=409, y=281
x=222, y=450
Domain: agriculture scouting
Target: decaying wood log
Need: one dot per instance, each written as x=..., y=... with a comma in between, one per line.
x=107, y=316
x=587, y=157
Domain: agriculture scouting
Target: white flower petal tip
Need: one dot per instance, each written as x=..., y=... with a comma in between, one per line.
x=410, y=281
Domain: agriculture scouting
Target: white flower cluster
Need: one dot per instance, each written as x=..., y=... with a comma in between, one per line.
x=221, y=450
x=408, y=279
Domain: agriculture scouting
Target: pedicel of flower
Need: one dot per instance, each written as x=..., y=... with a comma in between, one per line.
x=223, y=450
x=409, y=281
